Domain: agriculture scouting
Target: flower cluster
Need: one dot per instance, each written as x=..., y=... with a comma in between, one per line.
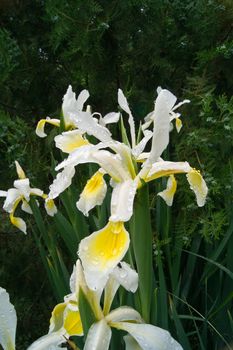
x=126, y=166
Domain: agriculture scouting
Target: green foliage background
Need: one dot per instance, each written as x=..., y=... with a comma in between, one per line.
x=185, y=46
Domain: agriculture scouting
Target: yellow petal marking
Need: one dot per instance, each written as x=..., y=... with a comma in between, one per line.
x=94, y=185
x=198, y=185
x=168, y=193
x=18, y=222
x=108, y=245
x=56, y=320
x=70, y=144
x=162, y=173
x=72, y=323
x=50, y=204
x=178, y=124
x=50, y=207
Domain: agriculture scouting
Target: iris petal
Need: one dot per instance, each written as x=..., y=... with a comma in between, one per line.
x=198, y=185
x=98, y=337
x=168, y=193
x=70, y=140
x=93, y=194
x=41, y=124
x=101, y=252
x=149, y=337
x=8, y=321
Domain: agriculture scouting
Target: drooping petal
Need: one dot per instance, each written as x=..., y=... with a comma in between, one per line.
x=13, y=196
x=130, y=343
x=48, y=341
x=50, y=207
x=19, y=223
x=149, y=337
x=101, y=252
x=126, y=276
x=122, y=200
x=168, y=193
x=98, y=337
x=70, y=140
x=41, y=124
x=61, y=182
x=57, y=318
x=165, y=168
x=20, y=172
x=8, y=321
x=124, y=105
x=93, y=194
x=198, y=185
x=163, y=104
x=123, y=313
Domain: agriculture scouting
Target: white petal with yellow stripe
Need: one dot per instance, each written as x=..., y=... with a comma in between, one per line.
x=93, y=194
x=70, y=140
x=41, y=125
x=102, y=251
x=198, y=185
x=168, y=193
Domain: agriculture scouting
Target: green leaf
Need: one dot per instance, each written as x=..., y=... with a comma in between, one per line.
x=141, y=235
x=182, y=337
x=86, y=312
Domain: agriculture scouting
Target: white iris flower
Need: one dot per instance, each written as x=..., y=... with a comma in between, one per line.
x=142, y=336
x=21, y=193
x=70, y=105
x=118, y=160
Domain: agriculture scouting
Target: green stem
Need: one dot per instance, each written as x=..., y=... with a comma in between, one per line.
x=141, y=235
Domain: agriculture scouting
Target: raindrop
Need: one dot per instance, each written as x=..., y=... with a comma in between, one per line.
x=95, y=262
x=123, y=274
